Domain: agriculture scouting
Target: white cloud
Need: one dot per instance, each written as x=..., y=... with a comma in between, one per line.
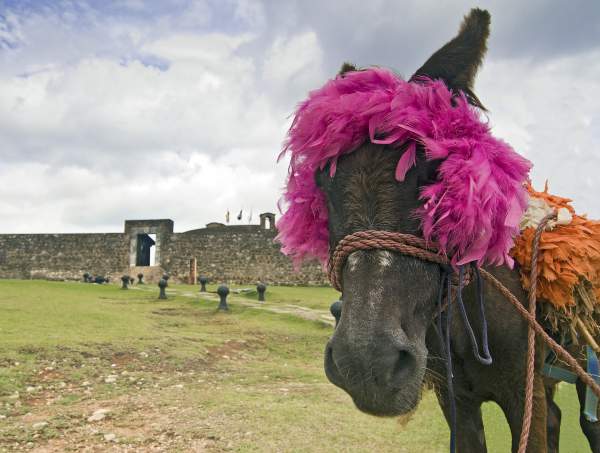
x=208, y=49
x=104, y=140
x=293, y=59
x=292, y=66
x=136, y=5
x=207, y=101
x=548, y=112
x=251, y=12
x=181, y=113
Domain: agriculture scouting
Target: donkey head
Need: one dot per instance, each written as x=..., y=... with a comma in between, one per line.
x=378, y=352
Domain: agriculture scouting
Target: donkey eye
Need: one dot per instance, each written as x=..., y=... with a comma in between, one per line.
x=322, y=177
x=426, y=172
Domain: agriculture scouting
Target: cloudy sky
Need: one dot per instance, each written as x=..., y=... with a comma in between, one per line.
x=173, y=108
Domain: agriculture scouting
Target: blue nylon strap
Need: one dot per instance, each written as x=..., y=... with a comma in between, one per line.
x=444, y=334
x=485, y=358
x=590, y=410
x=446, y=347
x=559, y=373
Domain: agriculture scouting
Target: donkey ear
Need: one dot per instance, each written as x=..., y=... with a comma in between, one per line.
x=458, y=61
x=346, y=67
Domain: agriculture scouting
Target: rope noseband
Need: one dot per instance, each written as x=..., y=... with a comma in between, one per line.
x=406, y=244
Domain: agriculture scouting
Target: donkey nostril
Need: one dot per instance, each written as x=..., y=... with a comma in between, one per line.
x=331, y=369
x=403, y=367
x=329, y=361
x=329, y=354
x=403, y=355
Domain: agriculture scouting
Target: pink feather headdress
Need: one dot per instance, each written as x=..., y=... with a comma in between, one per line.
x=471, y=211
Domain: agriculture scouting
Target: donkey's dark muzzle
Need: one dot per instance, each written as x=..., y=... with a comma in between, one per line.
x=382, y=378
x=377, y=352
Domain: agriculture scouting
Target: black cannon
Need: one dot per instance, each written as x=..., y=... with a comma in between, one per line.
x=162, y=284
x=86, y=277
x=223, y=291
x=336, y=311
x=261, y=288
x=203, y=281
x=99, y=279
x=125, y=279
x=140, y=277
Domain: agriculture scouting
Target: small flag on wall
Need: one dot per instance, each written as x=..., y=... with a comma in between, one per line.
x=250, y=217
x=239, y=217
x=227, y=216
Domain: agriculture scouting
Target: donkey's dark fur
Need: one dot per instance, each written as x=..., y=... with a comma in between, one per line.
x=385, y=345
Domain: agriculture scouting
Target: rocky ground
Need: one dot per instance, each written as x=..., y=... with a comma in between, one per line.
x=114, y=401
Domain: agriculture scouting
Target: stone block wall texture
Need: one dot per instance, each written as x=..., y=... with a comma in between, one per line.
x=63, y=256
x=236, y=254
x=242, y=254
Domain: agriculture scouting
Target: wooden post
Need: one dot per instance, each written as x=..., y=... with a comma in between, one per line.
x=192, y=277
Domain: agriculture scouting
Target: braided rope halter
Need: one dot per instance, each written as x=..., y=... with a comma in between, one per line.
x=410, y=245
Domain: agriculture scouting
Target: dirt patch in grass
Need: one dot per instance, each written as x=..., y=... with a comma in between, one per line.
x=122, y=358
x=230, y=349
x=168, y=312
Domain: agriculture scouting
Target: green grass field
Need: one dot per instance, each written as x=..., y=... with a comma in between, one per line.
x=176, y=375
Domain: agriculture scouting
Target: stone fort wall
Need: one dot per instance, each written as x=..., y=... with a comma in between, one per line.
x=62, y=256
x=244, y=254
x=232, y=254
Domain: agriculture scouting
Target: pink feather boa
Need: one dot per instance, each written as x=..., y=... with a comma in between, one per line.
x=473, y=209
